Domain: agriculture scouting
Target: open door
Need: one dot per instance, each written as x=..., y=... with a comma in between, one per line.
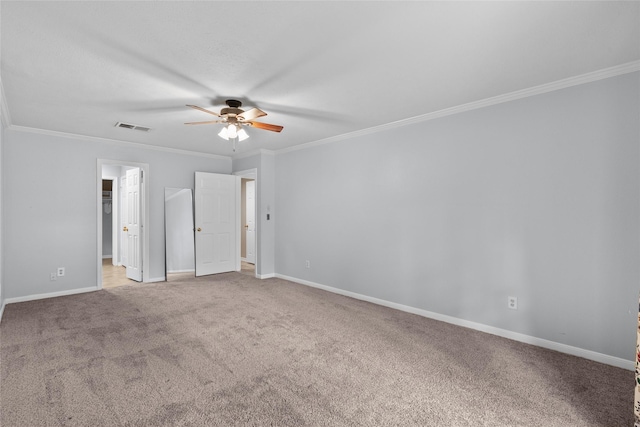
x=217, y=231
x=123, y=221
x=132, y=226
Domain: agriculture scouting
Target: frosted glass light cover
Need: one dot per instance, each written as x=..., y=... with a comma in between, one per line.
x=224, y=134
x=232, y=131
x=242, y=134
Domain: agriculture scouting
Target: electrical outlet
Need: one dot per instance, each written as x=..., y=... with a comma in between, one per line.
x=307, y=264
x=512, y=303
x=60, y=271
x=53, y=276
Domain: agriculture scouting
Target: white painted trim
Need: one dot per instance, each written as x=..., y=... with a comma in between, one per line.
x=2, y=310
x=117, y=142
x=106, y=256
x=527, y=339
x=182, y=271
x=248, y=173
x=156, y=279
x=270, y=276
x=629, y=67
x=50, y=295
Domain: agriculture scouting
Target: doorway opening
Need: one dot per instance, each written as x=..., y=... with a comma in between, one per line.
x=113, y=271
x=248, y=221
x=123, y=243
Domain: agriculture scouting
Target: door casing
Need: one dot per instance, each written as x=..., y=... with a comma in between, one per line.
x=144, y=167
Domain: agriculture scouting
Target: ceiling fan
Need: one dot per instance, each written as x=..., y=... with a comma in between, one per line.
x=234, y=118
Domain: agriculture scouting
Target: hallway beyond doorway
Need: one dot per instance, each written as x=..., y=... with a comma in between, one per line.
x=113, y=275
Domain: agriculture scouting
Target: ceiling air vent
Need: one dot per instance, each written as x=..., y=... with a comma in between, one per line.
x=132, y=127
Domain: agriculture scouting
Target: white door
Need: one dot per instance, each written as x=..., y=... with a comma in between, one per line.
x=251, y=221
x=133, y=227
x=217, y=230
x=123, y=221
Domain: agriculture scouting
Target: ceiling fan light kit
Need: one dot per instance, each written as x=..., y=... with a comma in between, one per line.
x=234, y=119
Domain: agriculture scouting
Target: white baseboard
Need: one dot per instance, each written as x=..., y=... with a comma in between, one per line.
x=2, y=311
x=107, y=256
x=182, y=271
x=50, y=295
x=268, y=276
x=156, y=279
x=527, y=339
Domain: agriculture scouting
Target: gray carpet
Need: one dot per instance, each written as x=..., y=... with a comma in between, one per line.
x=231, y=350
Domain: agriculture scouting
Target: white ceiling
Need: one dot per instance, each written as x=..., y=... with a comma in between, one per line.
x=320, y=69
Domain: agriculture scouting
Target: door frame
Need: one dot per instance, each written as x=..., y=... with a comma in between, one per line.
x=252, y=174
x=144, y=167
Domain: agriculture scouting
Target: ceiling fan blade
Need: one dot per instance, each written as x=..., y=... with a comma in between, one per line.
x=203, y=110
x=266, y=126
x=254, y=113
x=204, y=123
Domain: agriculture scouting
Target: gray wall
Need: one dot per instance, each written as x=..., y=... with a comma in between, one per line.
x=536, y=198
x=50, y=203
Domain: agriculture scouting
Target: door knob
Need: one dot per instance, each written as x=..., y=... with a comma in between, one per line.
x=246, y=226
x=199, y=229
x=125, y=229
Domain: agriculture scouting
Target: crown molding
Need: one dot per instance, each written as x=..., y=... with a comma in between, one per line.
x=618, y=70
x=117, y=142
x=4, y=108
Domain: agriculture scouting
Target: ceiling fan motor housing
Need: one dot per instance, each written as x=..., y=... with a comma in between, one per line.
x=234, y=108
x=231, y=111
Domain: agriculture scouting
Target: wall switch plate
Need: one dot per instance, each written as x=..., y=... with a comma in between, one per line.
x=512, y=303
x=60, y=271
x=53, y=276
x=307, y=264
